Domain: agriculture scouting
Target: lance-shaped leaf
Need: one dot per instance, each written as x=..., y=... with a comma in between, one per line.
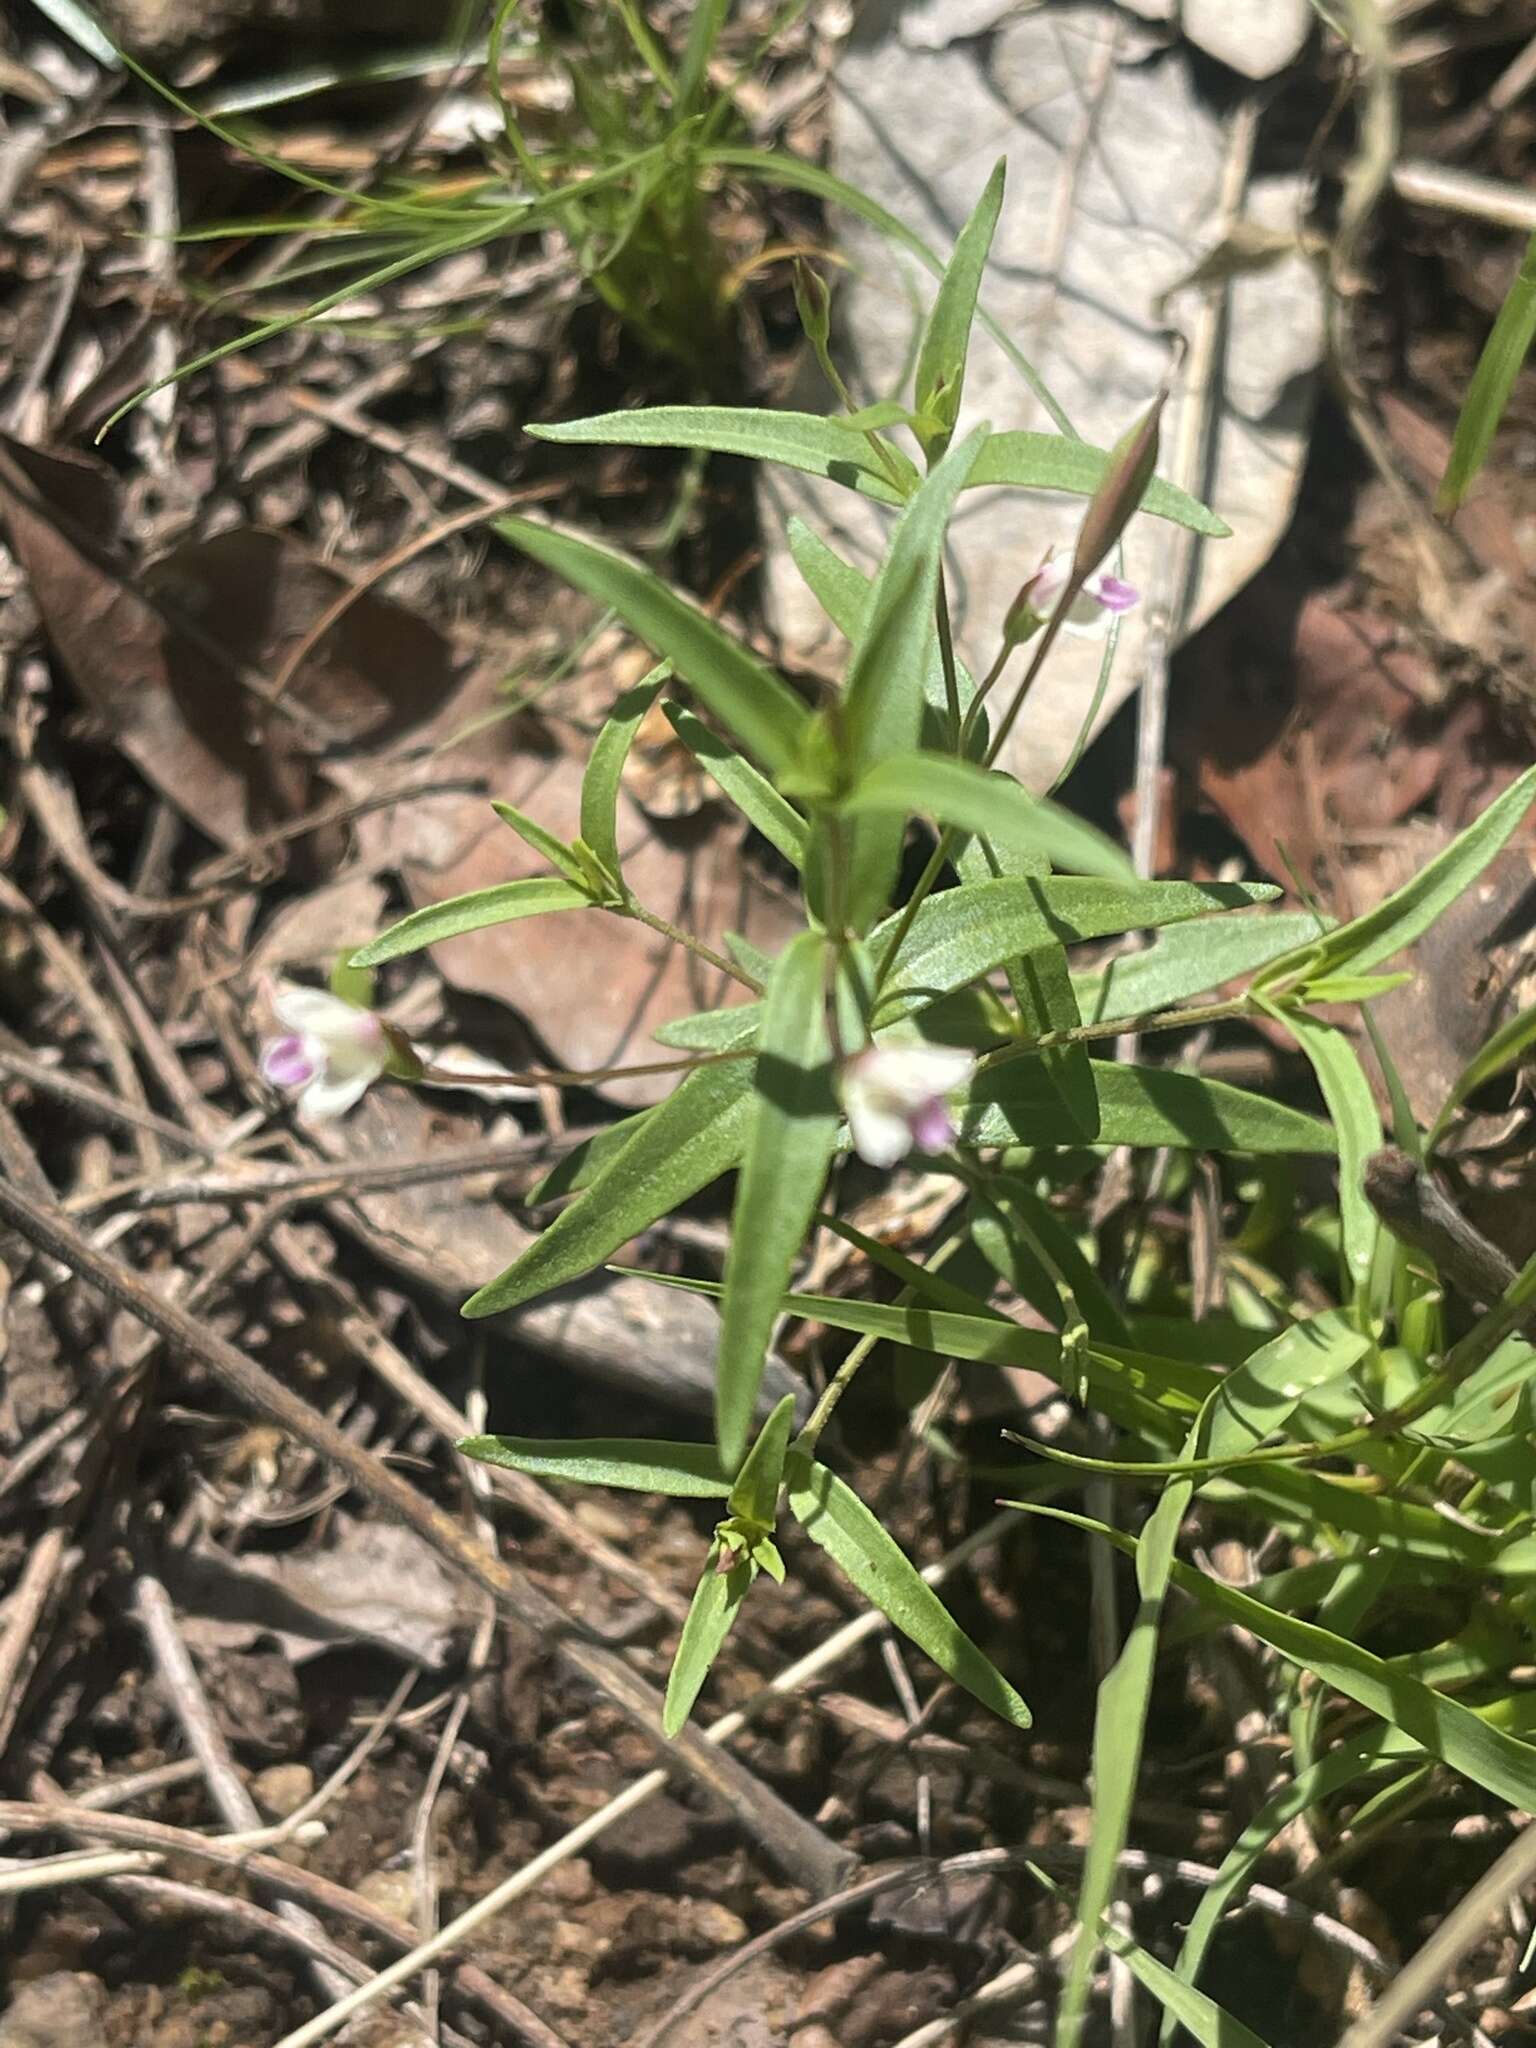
x=752, y=794
x=564, y=859
x=961, y=793
x=825, y=447
x=755, y=1495
x=939, y=381
x=500, y=904
x=1408, y=912
x=743, y=692
x=843, y=592
x=882, y=708
x=958, y=935
x=687, y=1471
x=792, y=1125
x=1357, y=1122
x=604, y=773
x=716, y=1602
x=1190, y=961
x=681, y=1146
x=1014, y=1104
x=834, y=1517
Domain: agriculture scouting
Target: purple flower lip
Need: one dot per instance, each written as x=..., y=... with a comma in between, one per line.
x=289, y=1061
x=1116, y=595
x=932, y=1126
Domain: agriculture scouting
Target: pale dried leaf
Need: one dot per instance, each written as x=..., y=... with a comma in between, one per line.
x=1114, y=170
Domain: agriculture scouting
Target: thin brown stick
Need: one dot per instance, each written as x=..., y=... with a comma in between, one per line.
x=1064, y=1858
x=111, y=1111
x=95, y=1013
x=257, y=1181
x=1415, y=1208
x=800, y=1849
x=184, y=1690
x=288, y=1880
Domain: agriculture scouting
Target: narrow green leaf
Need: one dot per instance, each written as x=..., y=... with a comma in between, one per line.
x=1493, y=383
x=688, y=1471
x=1501, y=1763
x=581, y=1165
x=883, y=701
x=822, y=447
x=1119, y=1727
x=545, y=844
x=1502, y=1050
x=1258, y=1398
x=843, y=593
x=499, y=904
x=603, y=777
x=1031, y=1222
x=709, y=17
x=1011, y=1104
x=1190, y=961
x=755, y=1496
x=959, y=935
x=752, y=794
x=683, y=1144
x=710, y=1030
x=963, y=793
x=716, y=1602
x=1208, y=2023
x=1051, y=462
x=743, y=692
x=939, y=380
x=807, y=441
x=1042, y=991
x=792, y=1126
x=1357, y=1124
x=1407, y=912
x=80, y=24
x=1332, y=1774
x=834, y=1517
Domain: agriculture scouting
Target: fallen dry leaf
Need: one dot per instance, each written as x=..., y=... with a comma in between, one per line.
x=592, y=986
x=174, y=659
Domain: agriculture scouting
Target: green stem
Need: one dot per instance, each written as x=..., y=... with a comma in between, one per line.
x=842, y=1379
x=915, y=901
x=835, y=1389
x=1151, y=1020
x=1047, y=642
x=668, y=930
x=947, y=657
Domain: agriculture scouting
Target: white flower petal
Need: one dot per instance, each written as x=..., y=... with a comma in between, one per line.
x=880, y=1136
x=925, y=1070
x=330, y=1094
x=314, y=1010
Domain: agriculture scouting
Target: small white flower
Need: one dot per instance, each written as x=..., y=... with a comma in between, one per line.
x=1101, y=597
x=327, y=1052
x=895, y=1097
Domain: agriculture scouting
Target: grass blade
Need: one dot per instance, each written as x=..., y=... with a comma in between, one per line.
x=1493, y=383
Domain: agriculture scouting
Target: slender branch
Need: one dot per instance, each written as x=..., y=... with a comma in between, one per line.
x=679, y=937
